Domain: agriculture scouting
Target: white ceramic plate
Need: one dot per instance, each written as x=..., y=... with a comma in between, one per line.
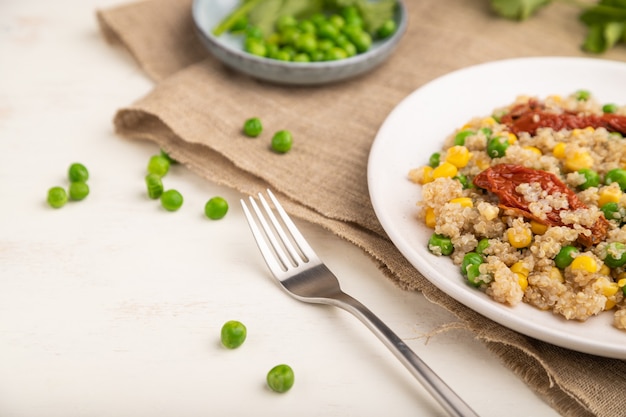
x=418, y=126
x=228, y=48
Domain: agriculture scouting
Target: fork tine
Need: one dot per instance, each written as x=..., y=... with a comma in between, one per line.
x=301, y=242
x=295, y=256
x=272, y=258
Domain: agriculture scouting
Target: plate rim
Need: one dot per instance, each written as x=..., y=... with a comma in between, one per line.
x=504, y=315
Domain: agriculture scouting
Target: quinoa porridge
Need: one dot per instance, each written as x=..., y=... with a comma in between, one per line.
x=530, y=203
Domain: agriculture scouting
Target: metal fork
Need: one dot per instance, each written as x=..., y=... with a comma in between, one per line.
x=303, y=275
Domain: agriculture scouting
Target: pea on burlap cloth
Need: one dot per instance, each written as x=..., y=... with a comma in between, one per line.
x=197, y=108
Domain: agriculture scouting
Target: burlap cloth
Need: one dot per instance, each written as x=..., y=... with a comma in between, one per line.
x=197, y=108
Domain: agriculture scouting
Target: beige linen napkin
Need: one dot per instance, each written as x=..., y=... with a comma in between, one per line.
x=198, y=106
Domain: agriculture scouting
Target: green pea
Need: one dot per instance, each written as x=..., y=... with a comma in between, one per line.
x=78, y=190
x=361, y=39
x=255, y=46
x=233, y=334
x=609, y=108
x=434, y=160
x=350, y=49
x=285, y=22
x=487, y=132
x=240, y=25
x=582, y=95
x=470, y=258
x=617, y=175
x=592, y=178
x=307, y=26
x=282, y=141
x=336, y=53
x=317, y=56
x=325, y=45
x=78, y=172
x=307, y=42
x=336, y=20
x=327, y=30
x=57, y=197
x=254, y=32
x=158, y=165
x=301, y=57
x=565, y=256
x=280, y=378
x=611, y=211
x=615, y=255
x=282, y=55
x=216, y=208
x=496, y=147
x=290, y=36
x=387, y=29
x=171, y=200
x=473, y=272
x=154, y=186
x=465, y=182
x=440, y=243
x=253, y=127
x=483, y=244
x=459, y=138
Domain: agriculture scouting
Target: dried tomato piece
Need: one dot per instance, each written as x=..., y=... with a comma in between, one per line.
x=503, y=180
x=528, y=117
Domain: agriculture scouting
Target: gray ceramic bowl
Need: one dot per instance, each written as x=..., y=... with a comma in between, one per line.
x=229, y=49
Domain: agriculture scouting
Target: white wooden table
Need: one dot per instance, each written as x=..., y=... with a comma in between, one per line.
x=112, y=306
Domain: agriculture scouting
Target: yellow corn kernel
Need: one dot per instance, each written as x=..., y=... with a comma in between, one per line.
x=609, y=304
x=421, y=175
x=522, y=280
x=445, y=170
x=608, y=288
x=466, y=126
x=538, y=228
x=429, y=218
x=512, y=138
x=556, y=274
x=579, y=160
x=488, y=121
x=621, y=282
x=559, y=150
x=584, y=263
x=605, y=270
x=589, y=129
x=458, y=156
x=533, y=149
x=519, y=238
x=483, y=164
x=576, y=132
x=609, y=195
x=520, y=268
x=463, y=201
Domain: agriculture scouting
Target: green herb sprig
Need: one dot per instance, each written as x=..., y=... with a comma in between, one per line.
x=605, y=19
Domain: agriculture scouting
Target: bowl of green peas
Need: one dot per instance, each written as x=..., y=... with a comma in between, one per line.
x=300, y=42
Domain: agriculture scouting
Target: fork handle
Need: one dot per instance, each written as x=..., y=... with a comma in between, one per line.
x=448, y=399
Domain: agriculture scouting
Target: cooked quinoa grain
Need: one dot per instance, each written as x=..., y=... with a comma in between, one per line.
x=517, y=188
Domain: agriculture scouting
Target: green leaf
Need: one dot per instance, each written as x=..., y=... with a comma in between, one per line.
x=613, y=32
x=594, y=42
x=603, y=14
x=517, y=9
x=597, y=40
